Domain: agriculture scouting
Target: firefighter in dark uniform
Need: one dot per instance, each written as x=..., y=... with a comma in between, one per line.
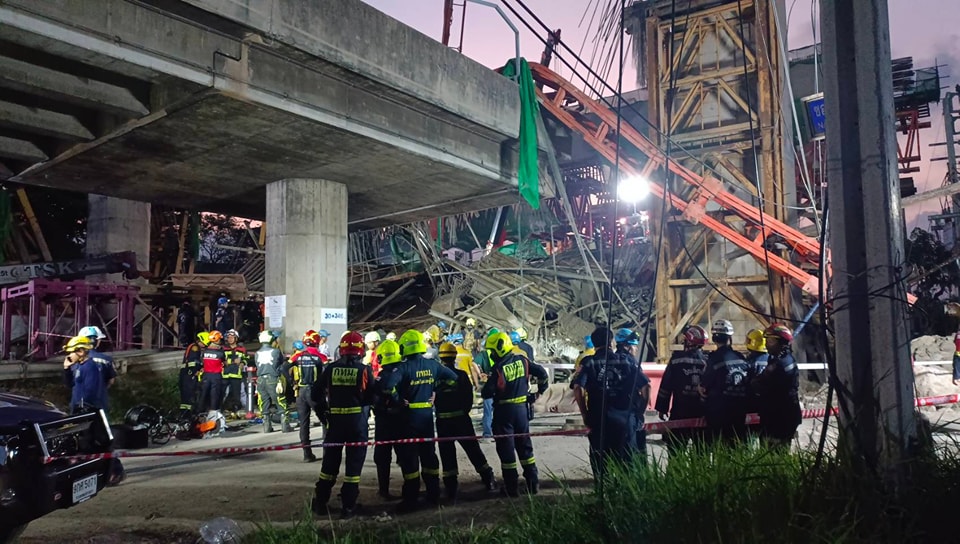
x=680, y=384
x=613, y=384
x=304, y=368
x=509, y=387
x=233, y=371
x=387, y=419
x=778, y=388
x=453, y=404
x=756, y=358
x=724, y=387
x=211, y=384
x=412, y=385
x=269, y=367
x=190, y=373
x=341, y=393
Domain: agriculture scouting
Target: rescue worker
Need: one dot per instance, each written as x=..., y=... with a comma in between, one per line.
x=392, y=336
x=372, y=340
x=429, y=340
x=956, y=358
x=724, y=387
x=322, y=337
x=84, y=377
x=345, y=387
x=304, y=368
x=453, y=403
x=778, y=387
x=213, y=360
x=386, y=419
x=472, y=336
x=509, y=387
x=607, y=390
x=223, y=318
x=96, y=336
x=588, y=350
x=236, y=356
x=680, y=384
x=485, y=364
x=523, y=345
x=186, y=323
x=190, y=372
x=269, y=367
x=628, y=345
x=412, y=385
x=756, y=362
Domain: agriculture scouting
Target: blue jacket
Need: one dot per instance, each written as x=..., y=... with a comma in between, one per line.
x=89, y=385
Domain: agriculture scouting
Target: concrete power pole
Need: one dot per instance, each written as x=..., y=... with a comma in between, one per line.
x=877, y=420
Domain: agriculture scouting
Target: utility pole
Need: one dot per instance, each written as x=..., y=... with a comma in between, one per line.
x=950, y=116
x=875, y=377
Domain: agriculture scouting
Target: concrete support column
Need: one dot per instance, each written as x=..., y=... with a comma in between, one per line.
x=307, y=255
x=115, y=225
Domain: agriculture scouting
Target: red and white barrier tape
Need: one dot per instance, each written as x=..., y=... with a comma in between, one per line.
x=656, y=427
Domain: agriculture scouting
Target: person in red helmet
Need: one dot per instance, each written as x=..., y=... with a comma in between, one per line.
x=213, y=359
x=679, y=384
x=308, y=363
x=778, y=390
x=344, y=389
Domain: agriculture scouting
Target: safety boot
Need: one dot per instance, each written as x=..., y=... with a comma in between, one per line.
x=451, y=487
x=511, y=484
x=267, y=424
x=285, y=424
x=488, y=479
x=532, y=477
x=308, y=456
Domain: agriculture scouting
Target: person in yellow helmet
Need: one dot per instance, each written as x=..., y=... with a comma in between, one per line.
x=387, y=419
x=757, y=358
x=190, y=372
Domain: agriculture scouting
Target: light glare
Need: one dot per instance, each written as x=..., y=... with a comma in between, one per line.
x=633, y=189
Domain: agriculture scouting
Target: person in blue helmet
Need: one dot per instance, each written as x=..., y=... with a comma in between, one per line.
x=628, y=344
x=96, y=337
x=223, y=318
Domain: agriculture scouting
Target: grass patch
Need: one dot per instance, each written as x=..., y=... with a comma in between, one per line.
x=158, y=389
x=728, y=495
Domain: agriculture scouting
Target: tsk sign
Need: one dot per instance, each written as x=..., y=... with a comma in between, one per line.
x=25, y=272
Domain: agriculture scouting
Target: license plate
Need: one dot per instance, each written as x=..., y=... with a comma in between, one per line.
x=84, y=489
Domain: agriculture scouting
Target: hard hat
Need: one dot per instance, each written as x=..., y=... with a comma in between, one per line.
x=265, y=337
x=756, y=342
x=442, y=325
x=427, y=337
x=203, y=337
x=455, y=338
x=694, y=336
x=514, y=337
x=448, y=351
x=389, y=352
x=92, y=332
x=372, y=336
x=492, y=331
x=780, y=331
x=588, y=342
x=722, y=326
x=392, y=336
x=311, y=338
x=499, y=344
x=215, y=337
x=323, y=333
x=78, y=342
x=234, y=333
x=627, y=336
x=471, y=322
x=344, y=333
x=222, y=301
x=298, y=345
x=411, y=342
x=351, y=344
x=522, y=332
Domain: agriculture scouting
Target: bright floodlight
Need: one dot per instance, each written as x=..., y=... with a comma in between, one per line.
x=633, y=189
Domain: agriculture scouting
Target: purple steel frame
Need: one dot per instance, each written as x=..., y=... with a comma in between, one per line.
x=41, y=299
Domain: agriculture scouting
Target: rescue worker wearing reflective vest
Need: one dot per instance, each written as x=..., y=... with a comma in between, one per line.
x=509, y=387
x=236, y=356
x=344, y=388
x=190, y=372
x=412, y=385
x=372, y=340
x=613, y=384
x=778, y=387
x=756, y=358
x=453, y=404
x=679, y=396
x=304, y=368
x=724, y=388
x=269, y=366
x=211, y=384
x=386, y=418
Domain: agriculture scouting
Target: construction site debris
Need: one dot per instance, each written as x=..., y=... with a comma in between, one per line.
x=932, y=348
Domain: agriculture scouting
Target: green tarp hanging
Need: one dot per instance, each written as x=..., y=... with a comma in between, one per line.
x=528, y=171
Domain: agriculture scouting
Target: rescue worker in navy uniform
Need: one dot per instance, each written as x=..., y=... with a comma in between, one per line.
x=304, y=368
x=233, y=371
x=724, y=386
x=386, y=418
x=453, y=403
x=778, y=387
x=756, y=363
x=269, y=366
x=344, y=388
x=509, y=387
x=412, y=384
x=211, y=384
x=190, y=373
x=628, y=344
x=606, y=390
x=680, y=384
x=523, y=344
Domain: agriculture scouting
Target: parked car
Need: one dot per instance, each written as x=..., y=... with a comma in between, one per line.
x=31, y=431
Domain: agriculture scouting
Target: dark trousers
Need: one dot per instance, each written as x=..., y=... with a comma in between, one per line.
x=459, y=426
x=618, y=442
x=342, y=428
x=189, y=387
x=305, y=407
x=231, y=394
x=727, y=429
x=419, y=460
x=512, y=419
x=385, y=427
x=210, y=386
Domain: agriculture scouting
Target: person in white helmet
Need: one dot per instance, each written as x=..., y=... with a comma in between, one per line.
x=372, y=340
x=725, y=388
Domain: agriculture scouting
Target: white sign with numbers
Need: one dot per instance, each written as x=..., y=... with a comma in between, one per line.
x=333, y=316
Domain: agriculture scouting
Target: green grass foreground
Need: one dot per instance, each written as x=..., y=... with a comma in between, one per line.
x=739, y=495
